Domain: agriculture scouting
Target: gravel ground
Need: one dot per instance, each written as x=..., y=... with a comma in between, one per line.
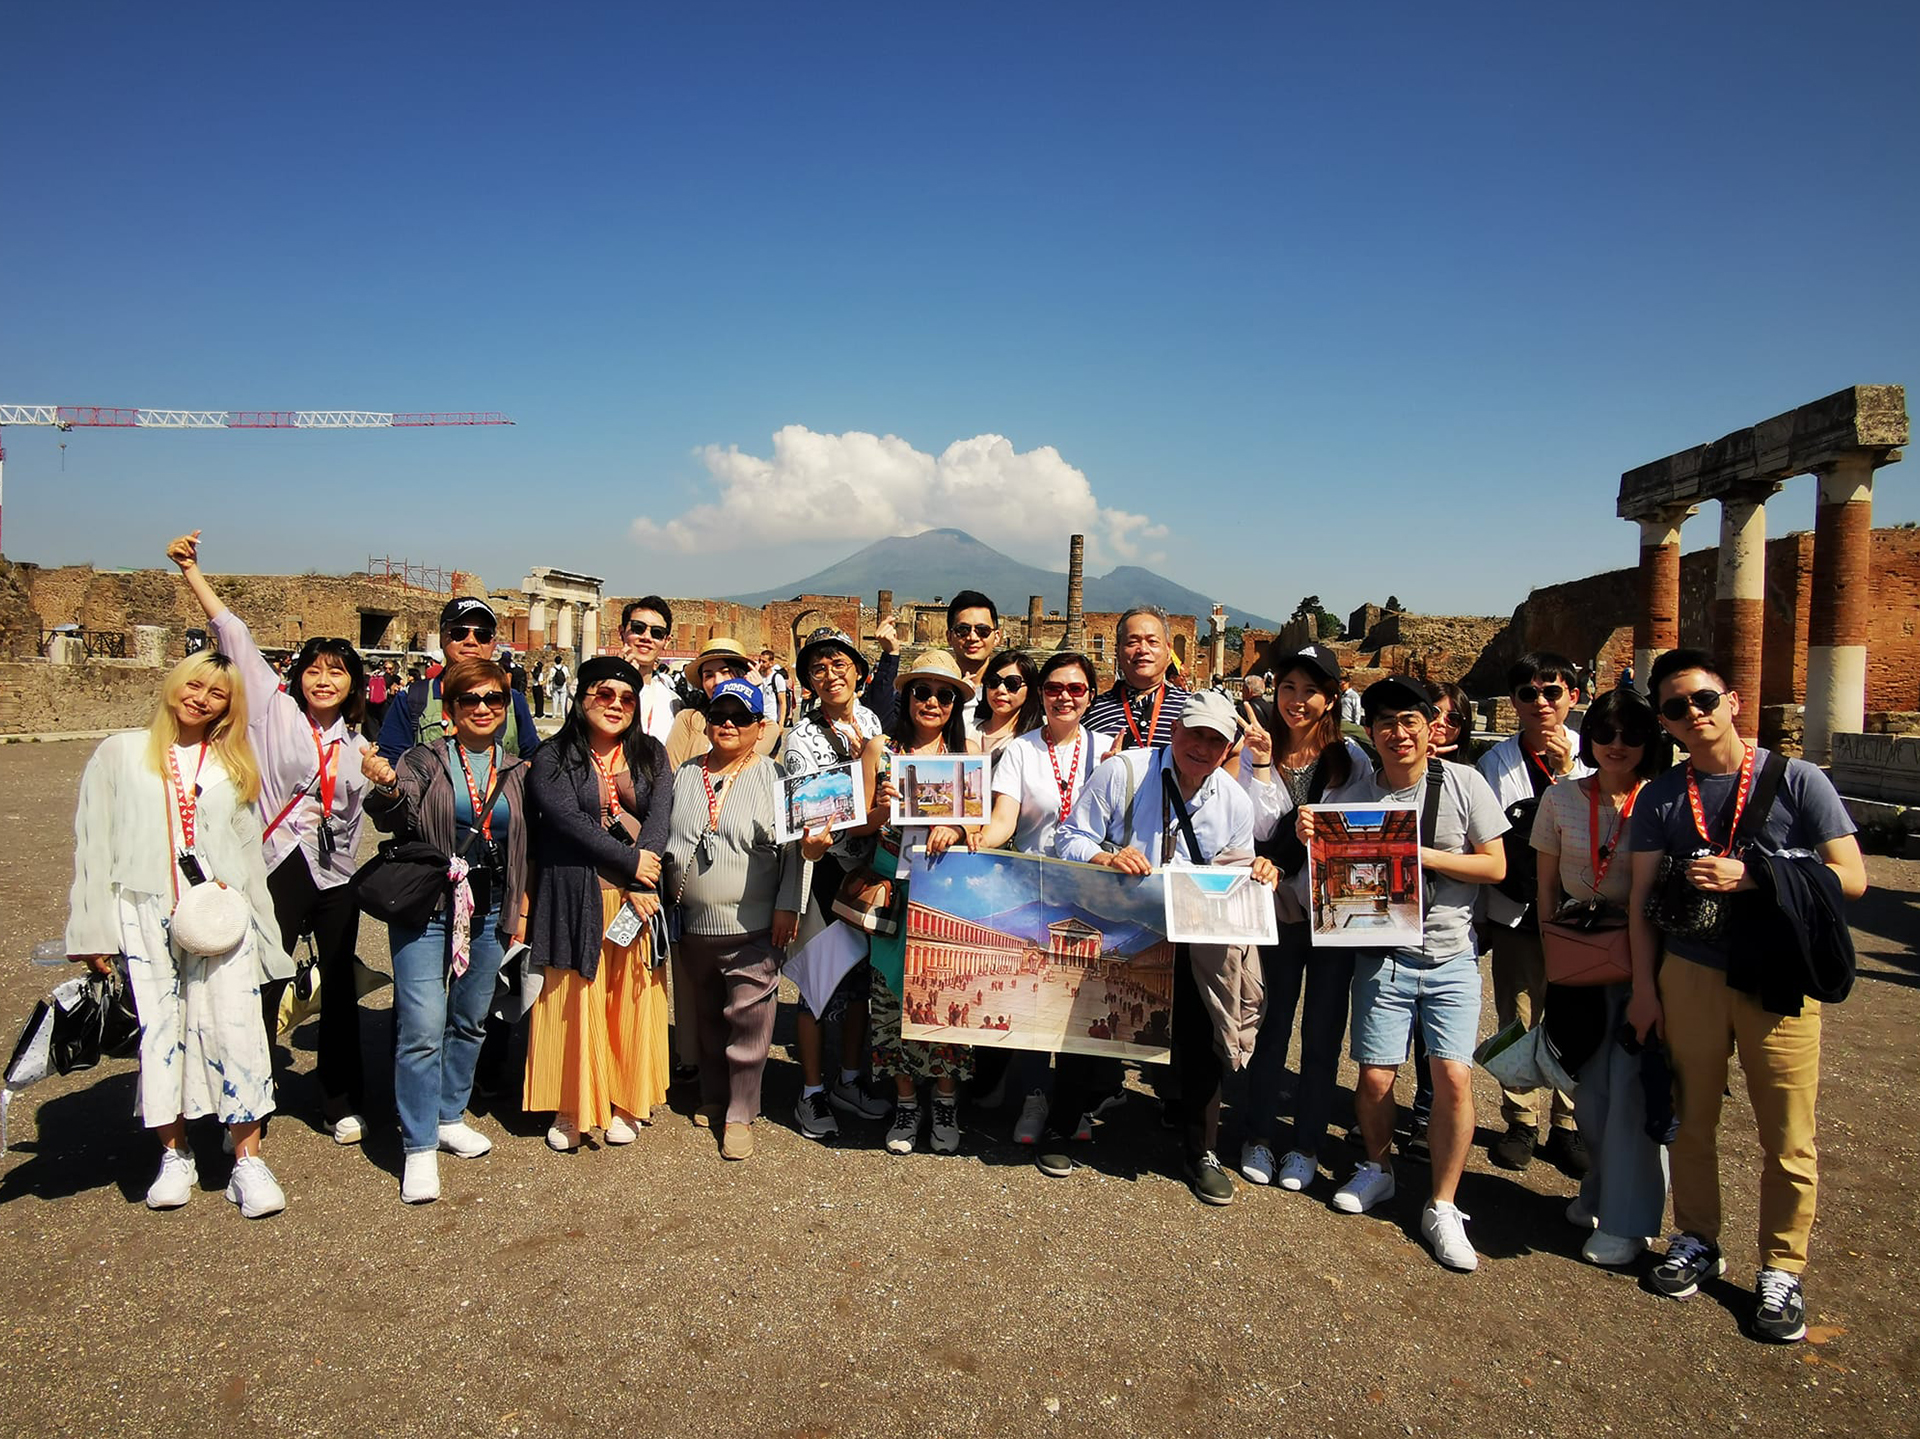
x=820, y=1291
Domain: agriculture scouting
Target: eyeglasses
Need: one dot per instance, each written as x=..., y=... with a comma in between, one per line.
x=920, y=694
x=731, y=719
x=483, y=633
x=1706, y=701
x=609, y=698
x=1014, y=681
x=823, y=668
x=1408, y=723
x=659, y=632
x=482, y=699
x=1604, y=733
x=1528, y=694
x=979, y=632
x=1054, y=689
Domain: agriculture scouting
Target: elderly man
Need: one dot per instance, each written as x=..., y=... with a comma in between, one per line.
x=645, y=626
x=415, y=715
x=722, y=659
x=1140, y=710
x=1137, y=811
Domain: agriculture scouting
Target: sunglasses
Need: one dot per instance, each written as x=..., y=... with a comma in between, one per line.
x=482, y=699
x=483, y=633
x=1706, y=701
x=920, y=694
x=609, y=698
x=732, y=718
x=1604, y=733
x=1007, y=682
x=1054, y=689
x=658, y=632
x=979, y=632
x=1528, y=694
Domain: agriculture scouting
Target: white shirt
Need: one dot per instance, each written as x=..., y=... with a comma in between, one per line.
x=1024, y=770
x=659, y=703
x=1221, y=813
x=1509, y=772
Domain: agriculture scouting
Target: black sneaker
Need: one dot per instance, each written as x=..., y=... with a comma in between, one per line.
x=1209, y=1179
x=1514, y=1149
x=1416, y=1148
x=1779, y=1309
x=1567, y=1152
x=1053, y=1158
x=1688, y=1260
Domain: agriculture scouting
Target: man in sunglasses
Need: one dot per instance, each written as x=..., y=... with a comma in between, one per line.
x=417, y=715
x=1544, y=687
x=645, y=626
x=973, y=634
x=1711, y=996
x=1140, y=711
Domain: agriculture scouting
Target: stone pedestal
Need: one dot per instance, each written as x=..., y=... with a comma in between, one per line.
x=1842, y=590
x=150, y=645
x=66, y=650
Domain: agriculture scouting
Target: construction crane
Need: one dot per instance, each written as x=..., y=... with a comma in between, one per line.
x=70, y=417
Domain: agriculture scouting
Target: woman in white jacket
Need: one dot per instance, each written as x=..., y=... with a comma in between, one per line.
x=156, y=810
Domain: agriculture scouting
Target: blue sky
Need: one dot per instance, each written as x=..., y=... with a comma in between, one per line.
x=1278, y=301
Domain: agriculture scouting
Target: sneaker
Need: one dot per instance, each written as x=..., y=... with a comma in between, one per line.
x=420, y=1182
x=1053, y=1159
x=563, y=1134
x=1610, y=1251
x=856, y=1100
x=712, y=1116
x=463, y=1140
x=1108, y=1102
x=1780, y=1309
x=905, y=1128
x=254, y=1188
x=349, y=1129
x=946, y=1123
x=173, y=1185
x=1417, y=1148
x=1033, y=1119
x=1568, y=1153
x=1208, y=1179
x=1083, y=1131
x=814, y=1117
x=1297, y=1170
x=1688, y=1260
x=736, y=1141
x=1581, y=1217
x=1444, y=1228
x=1514, y=1149
x=1370, y=1185
x=1256, y=1163
x=618, y=1131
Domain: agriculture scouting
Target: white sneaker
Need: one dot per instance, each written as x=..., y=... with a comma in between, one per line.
x=1369, y=1186
x=904, y=1130
x=1256, y=1162
x=254, y=1188
x=349, y=1129
x=563, y=1134
x=618, y=1131
x=464, y=1140
x=1297, y=1170
x=1033, y=1119
x=173, y=1185
x=1581, y=1217
x=1610, y=1250
x=420, y=1182
x=1444, y=1228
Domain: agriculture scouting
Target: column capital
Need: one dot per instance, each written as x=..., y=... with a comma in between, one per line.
x=1662, y=526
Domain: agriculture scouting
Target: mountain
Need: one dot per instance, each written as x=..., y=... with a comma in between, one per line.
x=942, y=562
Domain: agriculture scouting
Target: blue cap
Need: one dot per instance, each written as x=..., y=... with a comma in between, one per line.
x=747, y=694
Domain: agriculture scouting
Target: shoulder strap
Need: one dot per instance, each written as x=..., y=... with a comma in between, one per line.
x=1764, y=793
x=1170, y=795
x=1430, y=810
x=1317, y=786
x=1127, y=769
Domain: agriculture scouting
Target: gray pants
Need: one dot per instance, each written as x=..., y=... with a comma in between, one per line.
x=1627, y=1186
x=731, y=983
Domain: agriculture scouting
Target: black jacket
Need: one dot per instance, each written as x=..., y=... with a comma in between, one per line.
x=1787, y=941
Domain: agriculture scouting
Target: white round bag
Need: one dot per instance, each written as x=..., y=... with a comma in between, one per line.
x=210, y=919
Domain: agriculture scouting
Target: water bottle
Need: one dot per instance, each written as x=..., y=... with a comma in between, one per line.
x=49, y=952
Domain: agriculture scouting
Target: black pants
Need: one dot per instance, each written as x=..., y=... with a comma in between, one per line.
x=333, y=919
x=1326, y=976
x=1196, y=1068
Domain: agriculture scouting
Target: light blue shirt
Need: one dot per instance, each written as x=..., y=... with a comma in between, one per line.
x=1221, y=812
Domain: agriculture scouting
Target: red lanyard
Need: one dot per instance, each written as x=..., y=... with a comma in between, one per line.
x=1603, y=854
x=1072, y=776
x=1538, y=763
x=483, y=817
x=188, y=803
x=327, y=758
x=609, y=793
x=1744, y=793
x=1153, y=723
x=714, y=798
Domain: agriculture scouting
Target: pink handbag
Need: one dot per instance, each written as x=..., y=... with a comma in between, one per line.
x=1586, y=956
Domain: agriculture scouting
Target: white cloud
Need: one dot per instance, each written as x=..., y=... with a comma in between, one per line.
x=865, y=487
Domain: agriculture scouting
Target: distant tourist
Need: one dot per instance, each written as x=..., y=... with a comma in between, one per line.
x=1255, y=707
x=1350, y=709
x=1143, y=706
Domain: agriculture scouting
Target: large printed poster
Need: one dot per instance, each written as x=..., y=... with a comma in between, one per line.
x=1009, y=951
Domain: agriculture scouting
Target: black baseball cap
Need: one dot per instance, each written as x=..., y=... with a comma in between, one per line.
x=468, y=610
x=1317, y=658
x=1394, y=693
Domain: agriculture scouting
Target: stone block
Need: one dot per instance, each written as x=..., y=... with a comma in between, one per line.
x=150, y=645
x=1878, y=766
x=1893, y=722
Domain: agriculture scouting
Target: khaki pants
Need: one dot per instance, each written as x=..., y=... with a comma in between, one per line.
x=1519, y=989
x=1707, y=1022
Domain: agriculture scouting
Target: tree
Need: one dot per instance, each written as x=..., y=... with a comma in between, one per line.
x=1309, y=606
x=1235, y=637
x=1329, y=626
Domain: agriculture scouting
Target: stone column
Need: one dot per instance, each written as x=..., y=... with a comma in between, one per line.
x=1076, y=567
x=590, y=630
x=883, y=605
x=1657, y=628
x=1842, y=589
x=1739, y=605
x=1217, y=640
x=563, y=626
x=1036, y=615
x=536, y=624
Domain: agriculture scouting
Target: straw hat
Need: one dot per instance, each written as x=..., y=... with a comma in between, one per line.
x=935, y=666
x=720, y=647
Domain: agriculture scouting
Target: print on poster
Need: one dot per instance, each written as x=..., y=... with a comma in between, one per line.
x=941, y=789
x=834, y=796
x=1010, y=951
x=1365, y=876
x=1213, y=904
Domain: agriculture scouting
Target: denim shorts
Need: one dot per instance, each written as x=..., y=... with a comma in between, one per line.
x=1392, y=989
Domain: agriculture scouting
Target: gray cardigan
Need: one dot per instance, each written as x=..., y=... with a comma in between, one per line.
x=746, y=873
x=424, y=808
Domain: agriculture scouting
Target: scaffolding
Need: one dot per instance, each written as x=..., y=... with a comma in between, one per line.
x=430, y=579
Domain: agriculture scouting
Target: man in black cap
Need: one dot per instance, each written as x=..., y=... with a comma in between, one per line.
x=416, y=716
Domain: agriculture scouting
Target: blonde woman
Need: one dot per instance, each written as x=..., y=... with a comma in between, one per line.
x=160, y=812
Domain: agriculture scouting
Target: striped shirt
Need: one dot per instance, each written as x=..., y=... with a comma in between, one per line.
x=1108, y=716
x=735, y=881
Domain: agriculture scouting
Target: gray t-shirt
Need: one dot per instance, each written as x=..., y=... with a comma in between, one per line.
x=1806, y=813
x=1469, y=816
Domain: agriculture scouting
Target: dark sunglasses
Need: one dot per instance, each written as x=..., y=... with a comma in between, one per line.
x=658, y=632
x=1053, y=689
x=483, y=633
x=1706, y=701
x=733, y=717
x=920, y=694
x=979, y=632
x=1604, y=733
x=1007, y=682
x=1552, y=694
x=482, y=699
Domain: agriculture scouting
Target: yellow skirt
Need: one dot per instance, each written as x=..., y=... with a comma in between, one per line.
x=592, y=1048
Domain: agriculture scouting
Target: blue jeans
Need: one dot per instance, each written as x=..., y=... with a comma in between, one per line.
x=1395, y=990
x=438, y=1025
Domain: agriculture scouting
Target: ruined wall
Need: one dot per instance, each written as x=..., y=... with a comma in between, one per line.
x=19, y=621
x=41, y=698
